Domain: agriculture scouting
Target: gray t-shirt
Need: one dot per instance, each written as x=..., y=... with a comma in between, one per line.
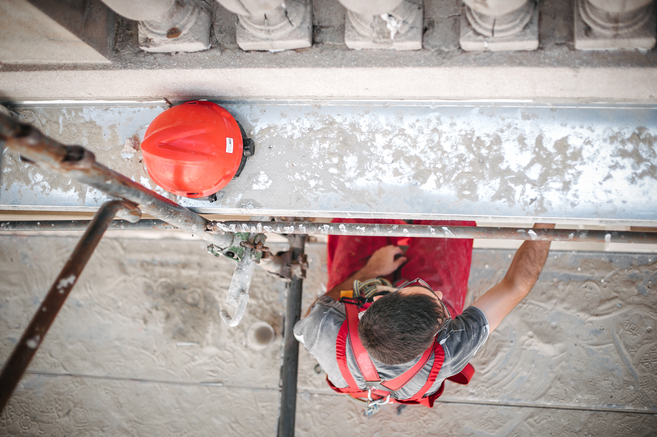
x=460, y=339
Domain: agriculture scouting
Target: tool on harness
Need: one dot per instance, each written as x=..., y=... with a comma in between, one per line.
x=370, y=288
x=380, y=392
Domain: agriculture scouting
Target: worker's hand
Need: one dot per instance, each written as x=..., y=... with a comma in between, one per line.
x=383, y=262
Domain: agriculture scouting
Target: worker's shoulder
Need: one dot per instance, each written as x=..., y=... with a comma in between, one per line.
x=471, y=325
x=475, y=314
x=462, y=338
x=321, y=325
x=324, y=308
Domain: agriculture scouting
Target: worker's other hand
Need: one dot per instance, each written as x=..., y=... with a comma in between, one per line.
x=385, y=261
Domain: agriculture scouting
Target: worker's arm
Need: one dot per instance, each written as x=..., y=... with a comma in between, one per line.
x=525, y=268
x=381, y=263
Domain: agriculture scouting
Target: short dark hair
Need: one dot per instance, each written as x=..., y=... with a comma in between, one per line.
x=400, y=327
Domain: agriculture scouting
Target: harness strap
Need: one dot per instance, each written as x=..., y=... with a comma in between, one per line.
x=341, y=355
x=403, y=379
x=439, y=358
x=363, y=360
x=464, y=376
x=349, y=331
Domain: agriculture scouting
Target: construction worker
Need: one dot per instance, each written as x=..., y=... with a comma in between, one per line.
x=398, y=338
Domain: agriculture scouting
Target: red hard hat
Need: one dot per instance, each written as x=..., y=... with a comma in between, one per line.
x=193, y=149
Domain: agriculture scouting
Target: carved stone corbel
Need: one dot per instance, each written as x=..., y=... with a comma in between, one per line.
x=272, y=24
x=383, y=24
x=499, y=25
x=184, y=27
x=608, y=24
x=168, y=25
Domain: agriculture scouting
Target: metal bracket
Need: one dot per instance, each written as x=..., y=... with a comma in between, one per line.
x=247, y=249
x=284, y=267
x=238, y=292
x=237, y=248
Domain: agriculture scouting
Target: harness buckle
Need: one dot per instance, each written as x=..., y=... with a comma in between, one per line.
x=377, y=385
x=372, y=405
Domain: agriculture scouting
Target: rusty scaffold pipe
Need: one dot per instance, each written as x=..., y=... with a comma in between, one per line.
x=79, y=164
x=437, y=231
x=81, y=225
x=54, y=300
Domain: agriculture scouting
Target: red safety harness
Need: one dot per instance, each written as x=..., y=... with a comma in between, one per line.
x=379, y=391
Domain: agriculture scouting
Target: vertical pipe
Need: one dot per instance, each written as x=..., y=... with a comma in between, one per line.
x=54, y=300
x=291, y=348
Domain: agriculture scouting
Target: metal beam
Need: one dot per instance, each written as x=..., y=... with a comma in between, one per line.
x=493, y=162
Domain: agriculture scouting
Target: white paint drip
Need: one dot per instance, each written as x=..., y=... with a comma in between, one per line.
x=32, y=343
x=392, y=24
x=63, y=283
x=607, y=238
x=262, y=182
x=430, y=184
x=129, y=148
x=532, y=234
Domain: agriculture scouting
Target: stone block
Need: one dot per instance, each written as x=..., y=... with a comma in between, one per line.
x=587, y=38
x=442, y=35
x=328, y=22
x=442, y=21
x=384, y=33
x=185, y=28
x=526, y=39
x=296, y=32
x=90, y=20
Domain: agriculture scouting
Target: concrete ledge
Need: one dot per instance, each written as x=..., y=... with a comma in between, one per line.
x=532, y=83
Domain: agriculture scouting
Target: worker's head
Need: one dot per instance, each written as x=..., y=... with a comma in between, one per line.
x=400, y=326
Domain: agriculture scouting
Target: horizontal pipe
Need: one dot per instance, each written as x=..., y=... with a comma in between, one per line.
x=81, y=225
x=438, y=231
x=78, y=163
x=359, y=229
